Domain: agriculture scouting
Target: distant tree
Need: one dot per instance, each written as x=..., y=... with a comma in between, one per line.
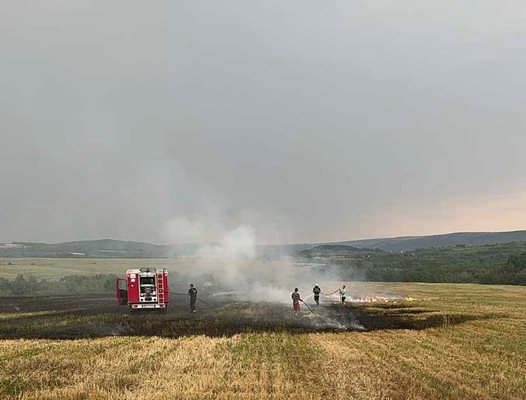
x=5, y=286
x=32, y=284
x=19, y=287
x=45, y=286
x=516, y=263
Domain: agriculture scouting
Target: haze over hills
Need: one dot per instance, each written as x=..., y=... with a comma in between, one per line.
x=406, y=243
x=109, y=248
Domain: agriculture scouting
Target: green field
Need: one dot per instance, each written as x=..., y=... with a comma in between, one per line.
x=454, y=341
x=55, y=268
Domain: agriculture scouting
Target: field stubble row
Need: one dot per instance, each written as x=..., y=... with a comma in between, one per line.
x=478, y=356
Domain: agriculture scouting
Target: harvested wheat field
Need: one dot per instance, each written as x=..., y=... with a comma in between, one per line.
x=445, y=341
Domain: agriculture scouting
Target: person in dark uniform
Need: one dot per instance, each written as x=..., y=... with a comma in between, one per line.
x=296, y=301
x=316, y=290
x=192, y=292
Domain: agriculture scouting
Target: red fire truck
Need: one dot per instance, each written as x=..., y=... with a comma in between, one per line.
x=143, y=288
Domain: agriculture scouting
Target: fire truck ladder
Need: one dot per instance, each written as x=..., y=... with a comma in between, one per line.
x=160, y=287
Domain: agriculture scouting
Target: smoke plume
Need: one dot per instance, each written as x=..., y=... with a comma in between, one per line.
x=235, y=266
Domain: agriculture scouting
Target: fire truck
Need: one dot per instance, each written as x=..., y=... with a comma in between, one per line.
x=143, y=288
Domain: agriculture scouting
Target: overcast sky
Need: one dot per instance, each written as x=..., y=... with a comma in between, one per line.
x=169, y=121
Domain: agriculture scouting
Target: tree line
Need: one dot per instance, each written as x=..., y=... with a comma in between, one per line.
x=491, y=264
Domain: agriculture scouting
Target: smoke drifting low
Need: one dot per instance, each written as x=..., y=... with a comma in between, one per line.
x=240, y=273
x=236, y=269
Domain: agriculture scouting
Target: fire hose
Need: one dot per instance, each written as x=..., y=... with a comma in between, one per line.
x=197, y=298
x=306, y=305
x=208, y=304
x=330, y=294
x=313, y=312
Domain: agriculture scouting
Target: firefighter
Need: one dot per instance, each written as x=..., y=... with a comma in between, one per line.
x=343, y=294
x=316, y=290
x=296, y=298
x=192, y=292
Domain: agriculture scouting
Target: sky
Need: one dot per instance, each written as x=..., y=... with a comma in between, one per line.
x=308, y=121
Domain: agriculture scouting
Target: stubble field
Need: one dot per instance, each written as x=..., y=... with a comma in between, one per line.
x=450, y=341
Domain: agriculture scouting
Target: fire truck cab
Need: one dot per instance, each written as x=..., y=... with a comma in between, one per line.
x=143, y=288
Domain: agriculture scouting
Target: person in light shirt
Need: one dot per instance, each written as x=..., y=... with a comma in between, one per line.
x=343, y=294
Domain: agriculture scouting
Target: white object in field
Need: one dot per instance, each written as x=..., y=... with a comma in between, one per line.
x=208, y=284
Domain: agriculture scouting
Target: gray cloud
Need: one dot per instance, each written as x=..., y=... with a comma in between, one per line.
x=308, y=121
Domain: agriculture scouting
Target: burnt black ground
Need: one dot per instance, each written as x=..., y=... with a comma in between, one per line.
x=81, y=316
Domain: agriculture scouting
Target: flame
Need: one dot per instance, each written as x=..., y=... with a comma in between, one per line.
x=374, y=299
x=381, y=299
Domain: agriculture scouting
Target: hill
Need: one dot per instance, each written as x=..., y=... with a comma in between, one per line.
x=109, y=248
x=407, y=243
x=104, y=248
x=491, y=263
x=334, y=250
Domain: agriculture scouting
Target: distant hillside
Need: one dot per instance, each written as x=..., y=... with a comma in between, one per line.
x=104, y=248
x=334, y=250
x=108, y=248
x=503, y=263
x=408, y=243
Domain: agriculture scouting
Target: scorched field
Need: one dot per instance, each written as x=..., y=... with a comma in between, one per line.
x=438, y=341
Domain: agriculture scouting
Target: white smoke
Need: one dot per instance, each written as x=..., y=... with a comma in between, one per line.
x=237, y=268
x=229, y=259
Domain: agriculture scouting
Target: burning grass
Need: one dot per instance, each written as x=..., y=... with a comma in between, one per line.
x=465, y=341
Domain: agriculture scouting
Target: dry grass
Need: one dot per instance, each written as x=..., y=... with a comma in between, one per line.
x=481, y=357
